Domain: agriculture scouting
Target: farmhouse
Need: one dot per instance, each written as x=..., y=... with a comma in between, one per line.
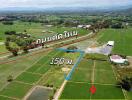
x=117, y=59
x=80, y=26
x=84, y=26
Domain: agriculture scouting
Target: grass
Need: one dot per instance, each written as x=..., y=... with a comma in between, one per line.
x=122, y=38
x=105, y=77
x=54, y=78
x=129, y=94
x=3, y=49
x=43, y=65
x=81, y=76
x=28, y=78
x=76, y=91
x=81, y=91
x=86, y=64
x=108, y=92
x=83, y=71
x=16, y=90
x=103, y=65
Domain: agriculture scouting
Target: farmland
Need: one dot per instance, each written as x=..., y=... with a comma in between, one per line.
x=36, y=30
x=32, y=71
x=92, y=72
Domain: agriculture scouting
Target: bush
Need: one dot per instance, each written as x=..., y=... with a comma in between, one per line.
x=51, y=97
x=54, y=90
x=10, y=78
x=96, y=57
x=72, y=48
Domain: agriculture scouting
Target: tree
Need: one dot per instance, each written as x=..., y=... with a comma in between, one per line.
x=126, y=84
x=10, y=33
x=92, y=28
x=117, y=25
x=14, y=50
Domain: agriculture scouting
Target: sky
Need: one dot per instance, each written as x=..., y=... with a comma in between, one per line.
x=63, y=3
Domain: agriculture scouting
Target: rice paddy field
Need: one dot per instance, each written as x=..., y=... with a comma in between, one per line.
x=122, y=38
x=31, y=71
x=102, y=75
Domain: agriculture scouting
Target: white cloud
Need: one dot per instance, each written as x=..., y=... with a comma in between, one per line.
x=45, y=3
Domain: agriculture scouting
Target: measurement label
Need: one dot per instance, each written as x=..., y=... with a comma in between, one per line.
x=61, y=61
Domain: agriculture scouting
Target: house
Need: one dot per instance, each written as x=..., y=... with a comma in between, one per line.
x=80, y=26
x=117, y=59
x=87, y=26
x=84, y=26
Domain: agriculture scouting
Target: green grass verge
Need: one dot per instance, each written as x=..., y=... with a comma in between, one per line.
x=5, y=98
x=76, y=91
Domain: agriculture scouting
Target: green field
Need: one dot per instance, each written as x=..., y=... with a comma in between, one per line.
x=122, y=38
x=32, y=71
x=28, y=78
x=80, y=91
x=69, y=29
x=88, y=73
x=17, y=26
x=36, y=30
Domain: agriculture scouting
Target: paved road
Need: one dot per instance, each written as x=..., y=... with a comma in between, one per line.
x=106, y=50
x=58, y=93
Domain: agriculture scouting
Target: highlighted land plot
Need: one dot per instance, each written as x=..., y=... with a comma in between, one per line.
x=68, y=77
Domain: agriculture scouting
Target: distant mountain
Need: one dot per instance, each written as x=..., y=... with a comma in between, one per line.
x=66, y=9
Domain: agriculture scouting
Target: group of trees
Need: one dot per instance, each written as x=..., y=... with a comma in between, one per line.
x=7, y=22
x=106, y=24
x=15, y=43
x=22, y=35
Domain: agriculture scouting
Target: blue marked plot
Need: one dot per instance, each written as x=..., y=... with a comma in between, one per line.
x=68, y=77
